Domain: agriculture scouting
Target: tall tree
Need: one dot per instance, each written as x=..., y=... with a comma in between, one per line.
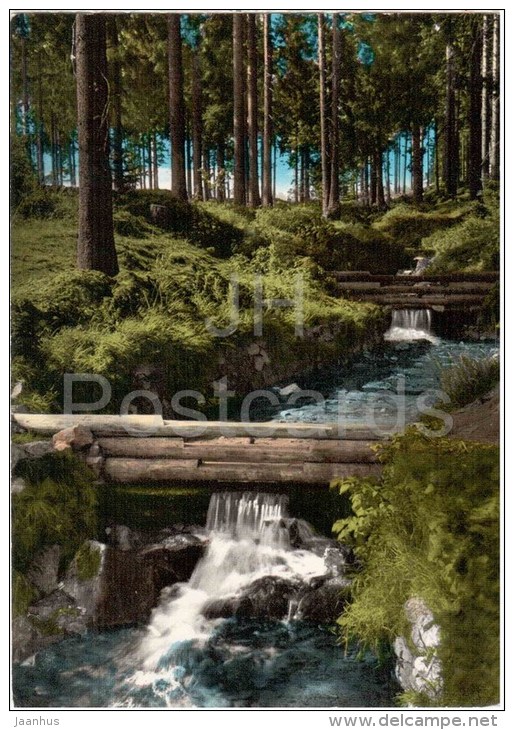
x=451, y=136
x=95, y=245
x=334, y=205
x=115, y=103
x=495, y=101
x=177, y=108
x=253, y=169
x=417, y=164
x=267, y=192
x=239, y=111
x=485, y=112
x=197, y=122
x=474, y=115
x=325, y=178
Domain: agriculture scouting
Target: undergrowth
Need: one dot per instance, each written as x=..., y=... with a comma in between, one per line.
x=429, y=528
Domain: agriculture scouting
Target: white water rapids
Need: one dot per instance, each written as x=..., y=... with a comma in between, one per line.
x=248, y=540
x=408, y=325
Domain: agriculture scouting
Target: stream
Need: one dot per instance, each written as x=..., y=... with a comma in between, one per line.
x=184, y=657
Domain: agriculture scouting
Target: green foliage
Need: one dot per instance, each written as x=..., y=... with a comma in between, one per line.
x=429, y=528
x=23, y=180
x=469, y=379
x=299, y=230
x=473, y=245
x=23, y=594
x=156, y=309
x=58, y=506
x=88, y=559
x=131, y=226
x=407, y=226
x=183, y=219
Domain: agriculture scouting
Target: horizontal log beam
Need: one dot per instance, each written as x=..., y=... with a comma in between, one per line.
x=490, y=276
x=243, y=450
x=120, y=470
x=480, y=288
x=404, y=302
x=154, y=426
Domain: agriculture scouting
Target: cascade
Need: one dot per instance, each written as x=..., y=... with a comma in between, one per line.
x=411, y=324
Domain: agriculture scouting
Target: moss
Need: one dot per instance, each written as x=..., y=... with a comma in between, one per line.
x=429, y=528
x=23, y=594
x=88, y=560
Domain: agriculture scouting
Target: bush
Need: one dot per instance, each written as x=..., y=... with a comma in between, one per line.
x=181, y=218
x=473, y=245
x=407, y=226
x=58, y=506
x=470, y=379
x=22, y=176
x=429, y=528
x=45, y=202
x=301, y=231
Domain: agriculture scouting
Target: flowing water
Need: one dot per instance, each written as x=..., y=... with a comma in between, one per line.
x=386, y=388
x=186, y=659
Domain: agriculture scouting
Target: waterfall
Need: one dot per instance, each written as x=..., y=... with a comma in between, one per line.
x=249, y=540
x=408, y=325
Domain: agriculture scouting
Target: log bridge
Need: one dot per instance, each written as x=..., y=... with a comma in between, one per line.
x=147, y=449
x=437, y=291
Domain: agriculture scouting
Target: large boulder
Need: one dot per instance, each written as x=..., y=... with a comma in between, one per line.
x=44, y=570
x=76, y=438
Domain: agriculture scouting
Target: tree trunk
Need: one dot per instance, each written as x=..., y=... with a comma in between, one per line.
x=253, y=189
x=73, y=169
x=485, y=112
x=207, y=174
x=95, y=244
x=177, y=110
x=325, y=177
x=115, y=103
x=239, y=111
x=197, y=124
x=417, y=164
x=306, y=181
x=388, y=177
x=475, y=105
x=373, y=182
x=220, y=172
x=436, y=154
x=267, y=194
x=40, y=133
x=451, y=168
x=495, y=101
x=189, y=184
x=379, y=174
x=334, y=206
x=155, y=158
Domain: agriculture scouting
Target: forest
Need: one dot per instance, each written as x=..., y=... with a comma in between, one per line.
x=178, y=180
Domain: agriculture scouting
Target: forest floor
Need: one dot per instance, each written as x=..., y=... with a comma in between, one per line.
x=479, y=421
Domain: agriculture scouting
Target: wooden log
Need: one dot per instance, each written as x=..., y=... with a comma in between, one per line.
x=405, y=302
x=148, y=470
x=154, y=426
x=479, y=287
x=490, y=276
x=164, y=470
x=242, y=450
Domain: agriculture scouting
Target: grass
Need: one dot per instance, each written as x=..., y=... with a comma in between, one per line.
x=429, y=528
x=156, y=309
x=470, y=379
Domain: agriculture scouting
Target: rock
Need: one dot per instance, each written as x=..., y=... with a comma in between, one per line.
x=418, y=667
x=174, y=560
x=58, y=613
x=95, y=463
x=289, y=390
x=27, y=639
x=160, y=215
x=38, y=449
x=253, y=348
x=17, y=454
x=84, y=577
x=325, y=603
x=337, y=558
x=128, y=592
x=265, y=356
x=76, y=437
x=267, y=598
x=123, y=538
x=17, y=485
x=258, y=363
x=44, y=569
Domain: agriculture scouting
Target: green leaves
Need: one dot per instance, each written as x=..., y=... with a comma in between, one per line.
x=430, y=528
